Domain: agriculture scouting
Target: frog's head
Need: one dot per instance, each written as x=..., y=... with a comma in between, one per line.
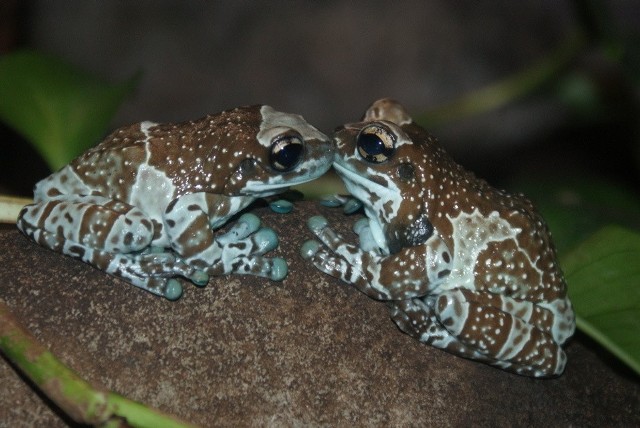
x=390, y=164
x=284, y=151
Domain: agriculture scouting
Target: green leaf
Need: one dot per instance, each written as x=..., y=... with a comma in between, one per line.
x=603, y=274
x=56, y=107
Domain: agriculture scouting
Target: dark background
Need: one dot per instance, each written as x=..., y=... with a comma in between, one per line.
x=328, y=60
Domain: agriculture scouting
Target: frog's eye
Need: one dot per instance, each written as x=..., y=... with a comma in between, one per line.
x=286, y=151
x=376, y=143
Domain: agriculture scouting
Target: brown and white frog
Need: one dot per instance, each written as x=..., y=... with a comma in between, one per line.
x=146, y=203
x=463, y=266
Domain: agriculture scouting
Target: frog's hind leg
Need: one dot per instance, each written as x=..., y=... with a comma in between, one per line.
x=109, y=235
x=466, y=328
x=417, y=318
x=514, y=333
x=91, y=221
x=153, y=272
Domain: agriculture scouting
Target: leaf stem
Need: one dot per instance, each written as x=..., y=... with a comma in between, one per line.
x=10, y=207
x=76, y=397
x=507, y=90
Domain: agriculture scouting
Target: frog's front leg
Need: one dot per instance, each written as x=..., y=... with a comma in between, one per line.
x=191, y=221
x=515, y=335
x=409, y=273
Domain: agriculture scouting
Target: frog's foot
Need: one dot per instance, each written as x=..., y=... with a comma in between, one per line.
x=487, y=324
x=110, y=235
x=326, y=261
x=347, y=262
x=273, y=268
x=246, y=225
x=332, y=255
x=335, y=247
x=246, y=238
x=155, y=272
x=245, y=257
x=241, y=250
x=417, y=318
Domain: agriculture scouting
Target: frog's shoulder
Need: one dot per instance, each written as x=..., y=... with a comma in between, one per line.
x=515, y=207
x=123, y=143
x=522, y=215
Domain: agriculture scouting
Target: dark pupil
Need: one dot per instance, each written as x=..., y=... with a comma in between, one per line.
x=286, y=156
x=371, y=144
x=373, y=148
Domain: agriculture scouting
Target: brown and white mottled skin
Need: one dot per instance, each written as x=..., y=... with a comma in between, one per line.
x=145, y=204
x=463, y=266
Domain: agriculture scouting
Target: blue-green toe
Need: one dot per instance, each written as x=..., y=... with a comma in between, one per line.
x=173, y=290
x=266, y=238
x=281, y=206
x=252, y=221
x=200, y=278
x=309, y=249
x=317, y=223
x=279, y=269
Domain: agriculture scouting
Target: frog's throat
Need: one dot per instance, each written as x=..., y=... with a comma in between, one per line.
x=381, y=204
x=278, y=184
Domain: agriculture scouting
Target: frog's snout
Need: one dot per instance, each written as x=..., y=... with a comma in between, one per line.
x=324, y=150
x=331, y=150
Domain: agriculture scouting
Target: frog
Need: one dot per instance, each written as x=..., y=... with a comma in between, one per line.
x=462, y=266
x=148, y=203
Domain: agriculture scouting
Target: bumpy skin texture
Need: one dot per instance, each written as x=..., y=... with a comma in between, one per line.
x=145, y=204
x=462, y=266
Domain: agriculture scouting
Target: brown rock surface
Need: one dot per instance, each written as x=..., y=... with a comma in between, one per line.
x=306, y=351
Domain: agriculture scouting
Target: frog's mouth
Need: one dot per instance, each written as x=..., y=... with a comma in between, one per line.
x=381, y=203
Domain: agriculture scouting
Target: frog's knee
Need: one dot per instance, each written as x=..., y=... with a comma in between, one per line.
x=452, y=310
x=133, y=234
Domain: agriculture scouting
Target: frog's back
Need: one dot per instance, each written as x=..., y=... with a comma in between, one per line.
x=529, y=259
x=518, y=241
x=176, y=158
x=106, y=169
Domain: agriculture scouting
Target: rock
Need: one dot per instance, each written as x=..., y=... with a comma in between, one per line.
x=306, y=351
